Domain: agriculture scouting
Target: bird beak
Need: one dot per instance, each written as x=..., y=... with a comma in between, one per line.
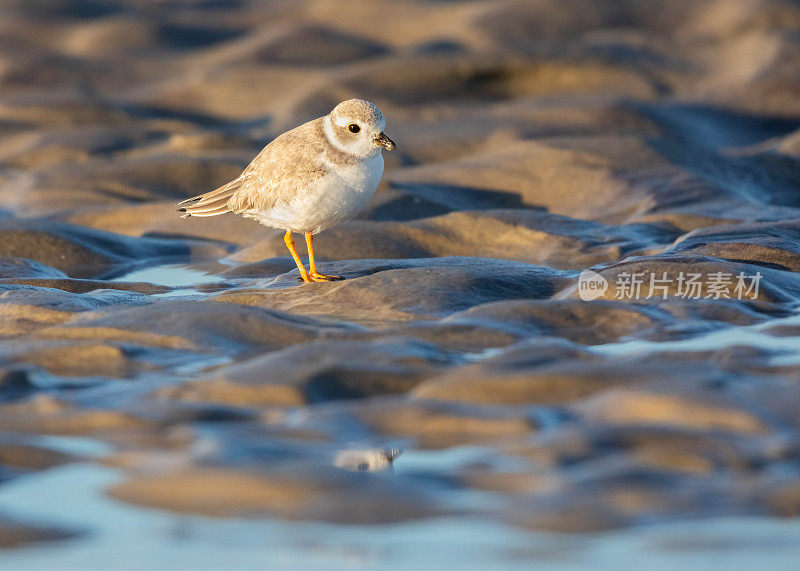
x=383, y=141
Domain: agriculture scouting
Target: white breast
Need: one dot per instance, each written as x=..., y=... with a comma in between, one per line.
x=335, y=198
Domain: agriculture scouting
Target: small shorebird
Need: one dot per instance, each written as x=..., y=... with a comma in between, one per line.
x=308, y=179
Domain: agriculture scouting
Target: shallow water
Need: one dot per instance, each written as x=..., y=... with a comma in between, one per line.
x=181, y=278
x=125, y=537
x=171, y=275
x=786, y=348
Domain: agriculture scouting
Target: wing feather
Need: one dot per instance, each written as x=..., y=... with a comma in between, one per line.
x=290, y=164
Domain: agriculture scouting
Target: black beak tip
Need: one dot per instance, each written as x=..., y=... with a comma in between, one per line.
x=383, y=141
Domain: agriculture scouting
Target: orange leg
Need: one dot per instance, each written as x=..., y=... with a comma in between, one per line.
x=313, y=273
x=289, y=240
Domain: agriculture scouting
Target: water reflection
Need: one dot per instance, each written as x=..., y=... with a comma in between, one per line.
x=118, y=530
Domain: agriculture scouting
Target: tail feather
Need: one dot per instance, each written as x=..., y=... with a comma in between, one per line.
x=207, y=212
x=211, y=203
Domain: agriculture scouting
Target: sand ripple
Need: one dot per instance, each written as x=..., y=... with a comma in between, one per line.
x=536, y=140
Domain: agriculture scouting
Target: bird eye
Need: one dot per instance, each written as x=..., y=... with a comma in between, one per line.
x=354, y=128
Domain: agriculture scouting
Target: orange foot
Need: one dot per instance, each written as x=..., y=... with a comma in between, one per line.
x=316, y=277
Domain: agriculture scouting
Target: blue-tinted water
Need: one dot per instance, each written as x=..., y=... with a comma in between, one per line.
x=122, y=536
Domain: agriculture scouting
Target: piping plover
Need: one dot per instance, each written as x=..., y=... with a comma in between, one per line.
x=308, y=179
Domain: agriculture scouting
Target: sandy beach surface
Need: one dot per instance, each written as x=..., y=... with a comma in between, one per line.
x=568, y=334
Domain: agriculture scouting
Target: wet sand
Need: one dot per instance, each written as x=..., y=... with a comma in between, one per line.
x=519, y=315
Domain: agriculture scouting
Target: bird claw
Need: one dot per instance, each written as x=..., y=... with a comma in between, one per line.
x=319, y=278
x=323, y=278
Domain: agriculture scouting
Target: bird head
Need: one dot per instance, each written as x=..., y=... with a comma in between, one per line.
x=356, y=127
